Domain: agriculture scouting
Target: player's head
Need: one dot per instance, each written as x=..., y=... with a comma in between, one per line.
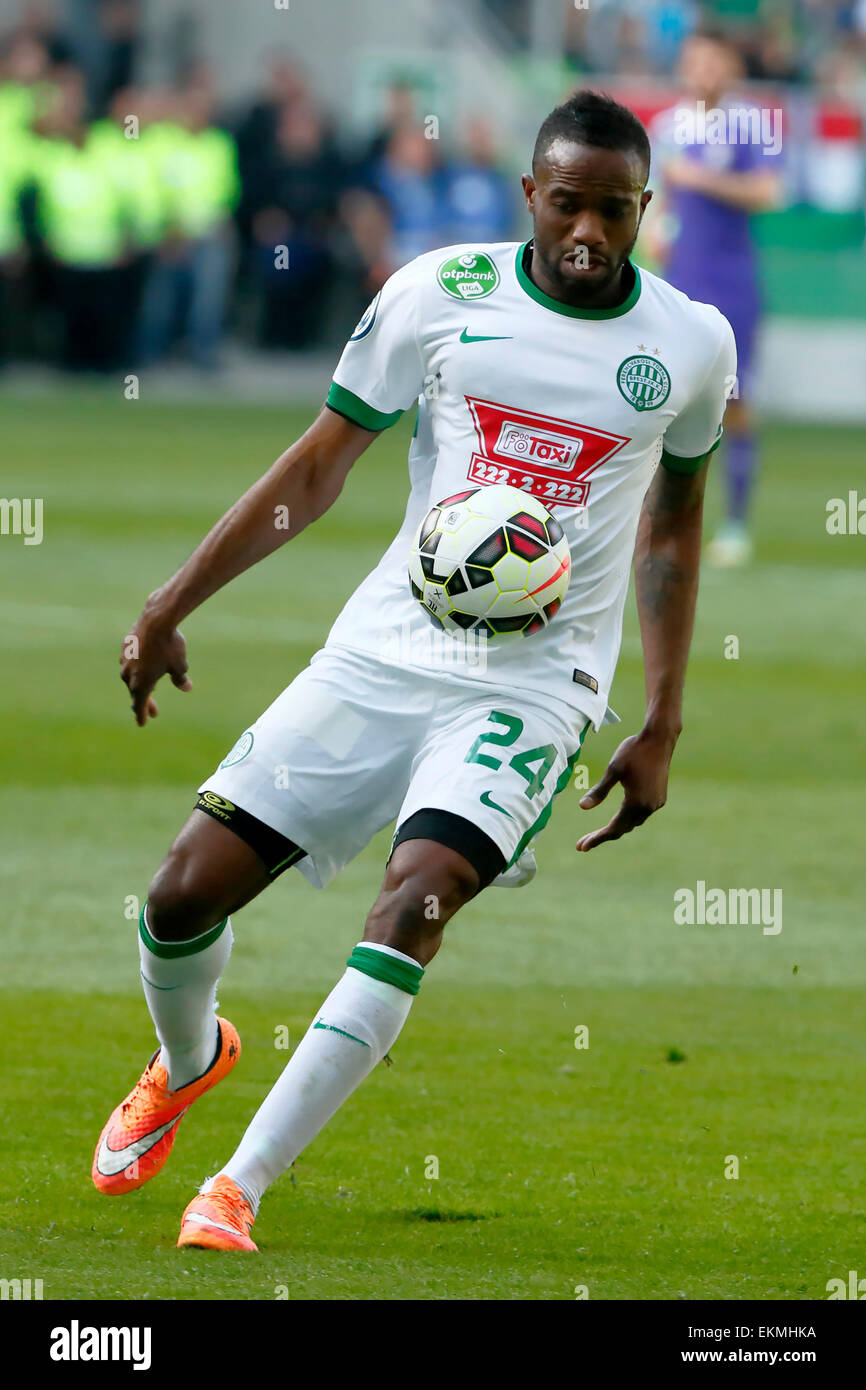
x=587, y=192
x=709, y=63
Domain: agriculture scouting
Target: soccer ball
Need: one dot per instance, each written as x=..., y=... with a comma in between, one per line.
x=491, y=560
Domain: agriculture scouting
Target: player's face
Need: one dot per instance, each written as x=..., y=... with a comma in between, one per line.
x=707, y=69
x=586, y=204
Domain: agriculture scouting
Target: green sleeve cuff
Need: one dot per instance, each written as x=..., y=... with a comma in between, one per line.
x=675, y=464
x=358, y=411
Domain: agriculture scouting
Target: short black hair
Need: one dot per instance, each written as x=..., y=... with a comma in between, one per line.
x=593, y=118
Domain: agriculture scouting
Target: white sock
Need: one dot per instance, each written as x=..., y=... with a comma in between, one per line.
x=180, y=980
x=354, y=1029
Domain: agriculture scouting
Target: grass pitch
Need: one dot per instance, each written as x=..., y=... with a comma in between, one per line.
x=561, y=1169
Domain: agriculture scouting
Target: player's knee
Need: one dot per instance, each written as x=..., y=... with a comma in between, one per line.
x=420, y=892
x=179, y=904
x=429, y=886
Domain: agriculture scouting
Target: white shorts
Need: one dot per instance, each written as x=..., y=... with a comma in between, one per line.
x=354, y=743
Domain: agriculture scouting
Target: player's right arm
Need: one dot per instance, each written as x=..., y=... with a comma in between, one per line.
x=379, y=375
x=303, y=483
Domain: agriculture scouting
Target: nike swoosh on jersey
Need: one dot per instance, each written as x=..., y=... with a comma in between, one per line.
x=196, y=1219
x=466, y=337
x=486, y=800
x=110, y=1162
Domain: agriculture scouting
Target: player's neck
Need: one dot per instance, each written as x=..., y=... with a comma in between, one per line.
x=608, y=297
x=712, y=100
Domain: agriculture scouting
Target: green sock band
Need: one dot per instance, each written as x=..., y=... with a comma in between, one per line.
x=379, y=965
x=170, y=950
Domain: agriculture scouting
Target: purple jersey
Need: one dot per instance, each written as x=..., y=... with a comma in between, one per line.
x=712, y=257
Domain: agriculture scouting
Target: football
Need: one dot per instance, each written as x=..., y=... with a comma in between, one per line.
x=491, y=560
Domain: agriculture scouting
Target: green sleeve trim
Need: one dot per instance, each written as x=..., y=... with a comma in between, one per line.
x=389, y=969
x=675, y=464
x=170, y=950
x=358, y=411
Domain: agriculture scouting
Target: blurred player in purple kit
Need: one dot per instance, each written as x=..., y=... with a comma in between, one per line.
x=719, y=161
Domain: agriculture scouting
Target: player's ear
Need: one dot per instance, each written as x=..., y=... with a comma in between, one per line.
x=528, y=189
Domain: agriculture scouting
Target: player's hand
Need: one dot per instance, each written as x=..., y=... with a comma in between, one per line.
x=641, y=764
x=152, y=649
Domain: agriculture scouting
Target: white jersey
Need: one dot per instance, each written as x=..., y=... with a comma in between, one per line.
x=575, y=406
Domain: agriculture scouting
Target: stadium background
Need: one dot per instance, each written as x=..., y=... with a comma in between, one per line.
x=326, y=150
x=558, y=1168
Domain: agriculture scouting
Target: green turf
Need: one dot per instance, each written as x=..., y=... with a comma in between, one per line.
x=558, y=1167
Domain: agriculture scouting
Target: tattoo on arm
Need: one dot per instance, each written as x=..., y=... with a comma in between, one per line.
x=659, y=582
x=668, y=541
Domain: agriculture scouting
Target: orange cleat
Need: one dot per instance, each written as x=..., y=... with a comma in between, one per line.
x=137, y=1140
x=220, y=1219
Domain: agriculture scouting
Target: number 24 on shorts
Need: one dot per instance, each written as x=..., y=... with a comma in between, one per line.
x=533, y=765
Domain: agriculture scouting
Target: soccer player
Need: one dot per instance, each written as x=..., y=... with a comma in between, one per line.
x=715, y=175
x=555, y=365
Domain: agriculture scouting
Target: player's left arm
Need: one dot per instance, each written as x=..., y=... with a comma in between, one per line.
x=666, y=562
x=667, y=557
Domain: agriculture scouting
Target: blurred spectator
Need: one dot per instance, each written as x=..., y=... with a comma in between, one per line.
x=100, y=38
x=121, y=138
x=25, y=83
x=293, y=203
x=38, y=21
x=410, y=180
x=119, y=22
x=286, y=86
x=80, y=222
x=122, y=235
x=400, y=114
x=713, y=187
x=480, y=197
x=187, y=283
x=117, y=142
x=363, y=254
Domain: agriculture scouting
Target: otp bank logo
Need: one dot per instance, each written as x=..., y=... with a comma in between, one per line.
x=552, y=459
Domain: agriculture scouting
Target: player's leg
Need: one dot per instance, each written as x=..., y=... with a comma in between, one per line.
x=425, y=884
x=323, y=767
x=185, y=939
x=740, y=459
x=454, y=838
x=185, y=936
